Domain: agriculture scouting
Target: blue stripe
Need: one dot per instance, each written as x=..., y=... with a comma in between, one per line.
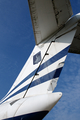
x=32, y=116
x=57, y=72
x=47, y=77
x=29, y=76
x=54, y=58
x=44, y=65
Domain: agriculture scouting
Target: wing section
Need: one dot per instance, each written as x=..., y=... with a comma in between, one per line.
x=48, y=16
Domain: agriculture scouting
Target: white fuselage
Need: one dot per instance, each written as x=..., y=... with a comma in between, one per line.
x=28, y=108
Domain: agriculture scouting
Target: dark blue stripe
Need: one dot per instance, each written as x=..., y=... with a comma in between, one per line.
x=29, y=76
x=44, y=65
x=57, y=72
x=47, y=77
x=54, y=58
x=31, y=116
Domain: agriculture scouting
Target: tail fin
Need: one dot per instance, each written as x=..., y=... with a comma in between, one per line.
x=42, y=70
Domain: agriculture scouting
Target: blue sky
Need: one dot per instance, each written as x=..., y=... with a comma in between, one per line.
x=16, y=44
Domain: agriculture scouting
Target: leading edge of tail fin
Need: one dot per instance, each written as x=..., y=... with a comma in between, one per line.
x=42, y=70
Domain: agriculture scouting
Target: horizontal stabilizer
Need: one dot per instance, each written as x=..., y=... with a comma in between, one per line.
x=48, y=16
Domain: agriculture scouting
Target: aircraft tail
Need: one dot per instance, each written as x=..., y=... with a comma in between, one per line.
x=42, y=70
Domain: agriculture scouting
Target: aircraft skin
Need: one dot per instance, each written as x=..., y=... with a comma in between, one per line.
x=31, y=96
